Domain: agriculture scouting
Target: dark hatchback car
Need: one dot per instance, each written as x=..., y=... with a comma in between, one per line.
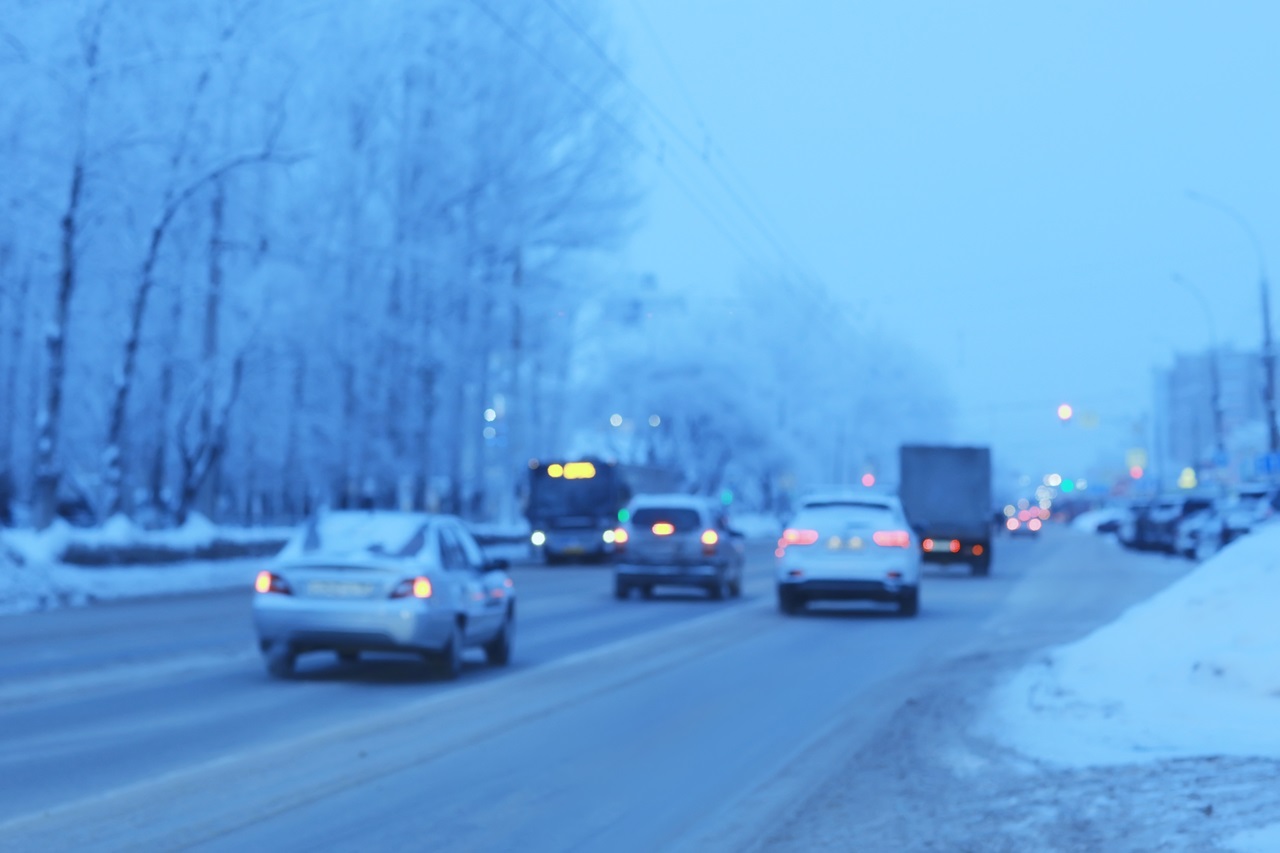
x=677, y=540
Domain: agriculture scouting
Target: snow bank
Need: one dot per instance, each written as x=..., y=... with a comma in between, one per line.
x=1191, y=672
x=119, y=540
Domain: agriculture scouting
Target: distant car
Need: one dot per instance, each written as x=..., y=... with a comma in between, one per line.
x=849, y=549
x=676, y=540
x=356, y=581
x=1027, y=521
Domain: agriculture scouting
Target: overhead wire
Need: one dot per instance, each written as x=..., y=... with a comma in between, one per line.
x=717, y=221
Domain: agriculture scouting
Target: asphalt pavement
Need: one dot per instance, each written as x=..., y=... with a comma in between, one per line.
x=645, y=724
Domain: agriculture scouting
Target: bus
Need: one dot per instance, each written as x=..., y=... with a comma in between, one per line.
x=573, y=505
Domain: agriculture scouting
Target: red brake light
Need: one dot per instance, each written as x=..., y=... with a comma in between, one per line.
x=267, y=582
x=927, y=544
x=955, y=546
x=892, y=538
x=792, y=536
x=418, y=587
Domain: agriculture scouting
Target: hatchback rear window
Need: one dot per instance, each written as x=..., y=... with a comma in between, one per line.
x=681, y=519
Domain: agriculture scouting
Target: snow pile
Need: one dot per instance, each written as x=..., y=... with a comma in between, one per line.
x=25, y=585
x=120, y=540
x=1191, y=672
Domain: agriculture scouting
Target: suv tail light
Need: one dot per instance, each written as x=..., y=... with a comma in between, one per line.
x=418, y=587
x=620, y=538
x=892, y=538
x=267, y=582
x=792, y=536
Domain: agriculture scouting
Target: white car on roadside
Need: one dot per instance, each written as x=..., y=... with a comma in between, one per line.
x=849, y=548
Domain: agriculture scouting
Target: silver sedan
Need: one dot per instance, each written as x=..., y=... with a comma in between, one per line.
x=352, y=582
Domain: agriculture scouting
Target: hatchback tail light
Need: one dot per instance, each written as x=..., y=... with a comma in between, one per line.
x=892, y=538
x=418, y=587
x=620, y=538
x=267, y=582
x=709, y=540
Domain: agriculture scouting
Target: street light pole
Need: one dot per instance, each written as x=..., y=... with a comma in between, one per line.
x=1264, y=286
x=1215, y=382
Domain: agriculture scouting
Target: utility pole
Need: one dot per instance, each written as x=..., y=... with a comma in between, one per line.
x=1268, y=346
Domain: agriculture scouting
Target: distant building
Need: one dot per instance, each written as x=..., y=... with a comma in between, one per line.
x=1185, y=421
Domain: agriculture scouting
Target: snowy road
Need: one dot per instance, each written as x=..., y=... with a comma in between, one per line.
x=622, y=725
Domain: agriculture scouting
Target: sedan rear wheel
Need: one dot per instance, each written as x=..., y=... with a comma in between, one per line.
x=281, y=659
x=498, y=650
x=449, y=661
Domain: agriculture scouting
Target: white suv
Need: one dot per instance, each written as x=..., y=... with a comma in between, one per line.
x=841, y=548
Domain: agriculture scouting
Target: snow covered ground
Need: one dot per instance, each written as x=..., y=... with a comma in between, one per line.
x=1190, y=673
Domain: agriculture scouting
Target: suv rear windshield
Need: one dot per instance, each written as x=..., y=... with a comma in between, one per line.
x=681, y=519
x=824, y=518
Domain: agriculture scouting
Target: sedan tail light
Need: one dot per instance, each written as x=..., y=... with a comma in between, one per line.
x=620, y=537
x=267, y=582
x=418, y=587
x=709, y=540
x=892, y=538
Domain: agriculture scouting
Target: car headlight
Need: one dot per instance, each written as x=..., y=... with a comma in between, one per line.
x=538, y=538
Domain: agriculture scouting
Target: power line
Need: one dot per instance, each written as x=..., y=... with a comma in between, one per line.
x=515, y=36
x=702, y=156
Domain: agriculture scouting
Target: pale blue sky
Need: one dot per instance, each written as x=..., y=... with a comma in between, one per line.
x=1001, y=185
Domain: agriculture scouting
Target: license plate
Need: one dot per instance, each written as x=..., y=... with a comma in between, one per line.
x=573, y=549
x=339, y=589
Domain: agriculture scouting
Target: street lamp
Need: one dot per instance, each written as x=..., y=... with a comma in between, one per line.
x=1268, y=351
x=1215, y=382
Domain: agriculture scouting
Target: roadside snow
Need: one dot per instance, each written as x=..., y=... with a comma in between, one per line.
x=1266, y=840
x=1190, y=672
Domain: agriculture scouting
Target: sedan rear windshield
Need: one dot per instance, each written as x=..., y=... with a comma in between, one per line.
x=682, y=519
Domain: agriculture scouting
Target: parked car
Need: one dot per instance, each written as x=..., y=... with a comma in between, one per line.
x=849, y=549
x=1157, y=528
x=360, y=581
x=1199, y=535
x=1252, y=505
x=677, y=540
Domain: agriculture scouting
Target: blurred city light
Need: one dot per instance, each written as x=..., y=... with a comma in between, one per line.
x=654, y=421
x=490, y=415
x=615, y=419
x=1064, y=413
x=868, y=480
